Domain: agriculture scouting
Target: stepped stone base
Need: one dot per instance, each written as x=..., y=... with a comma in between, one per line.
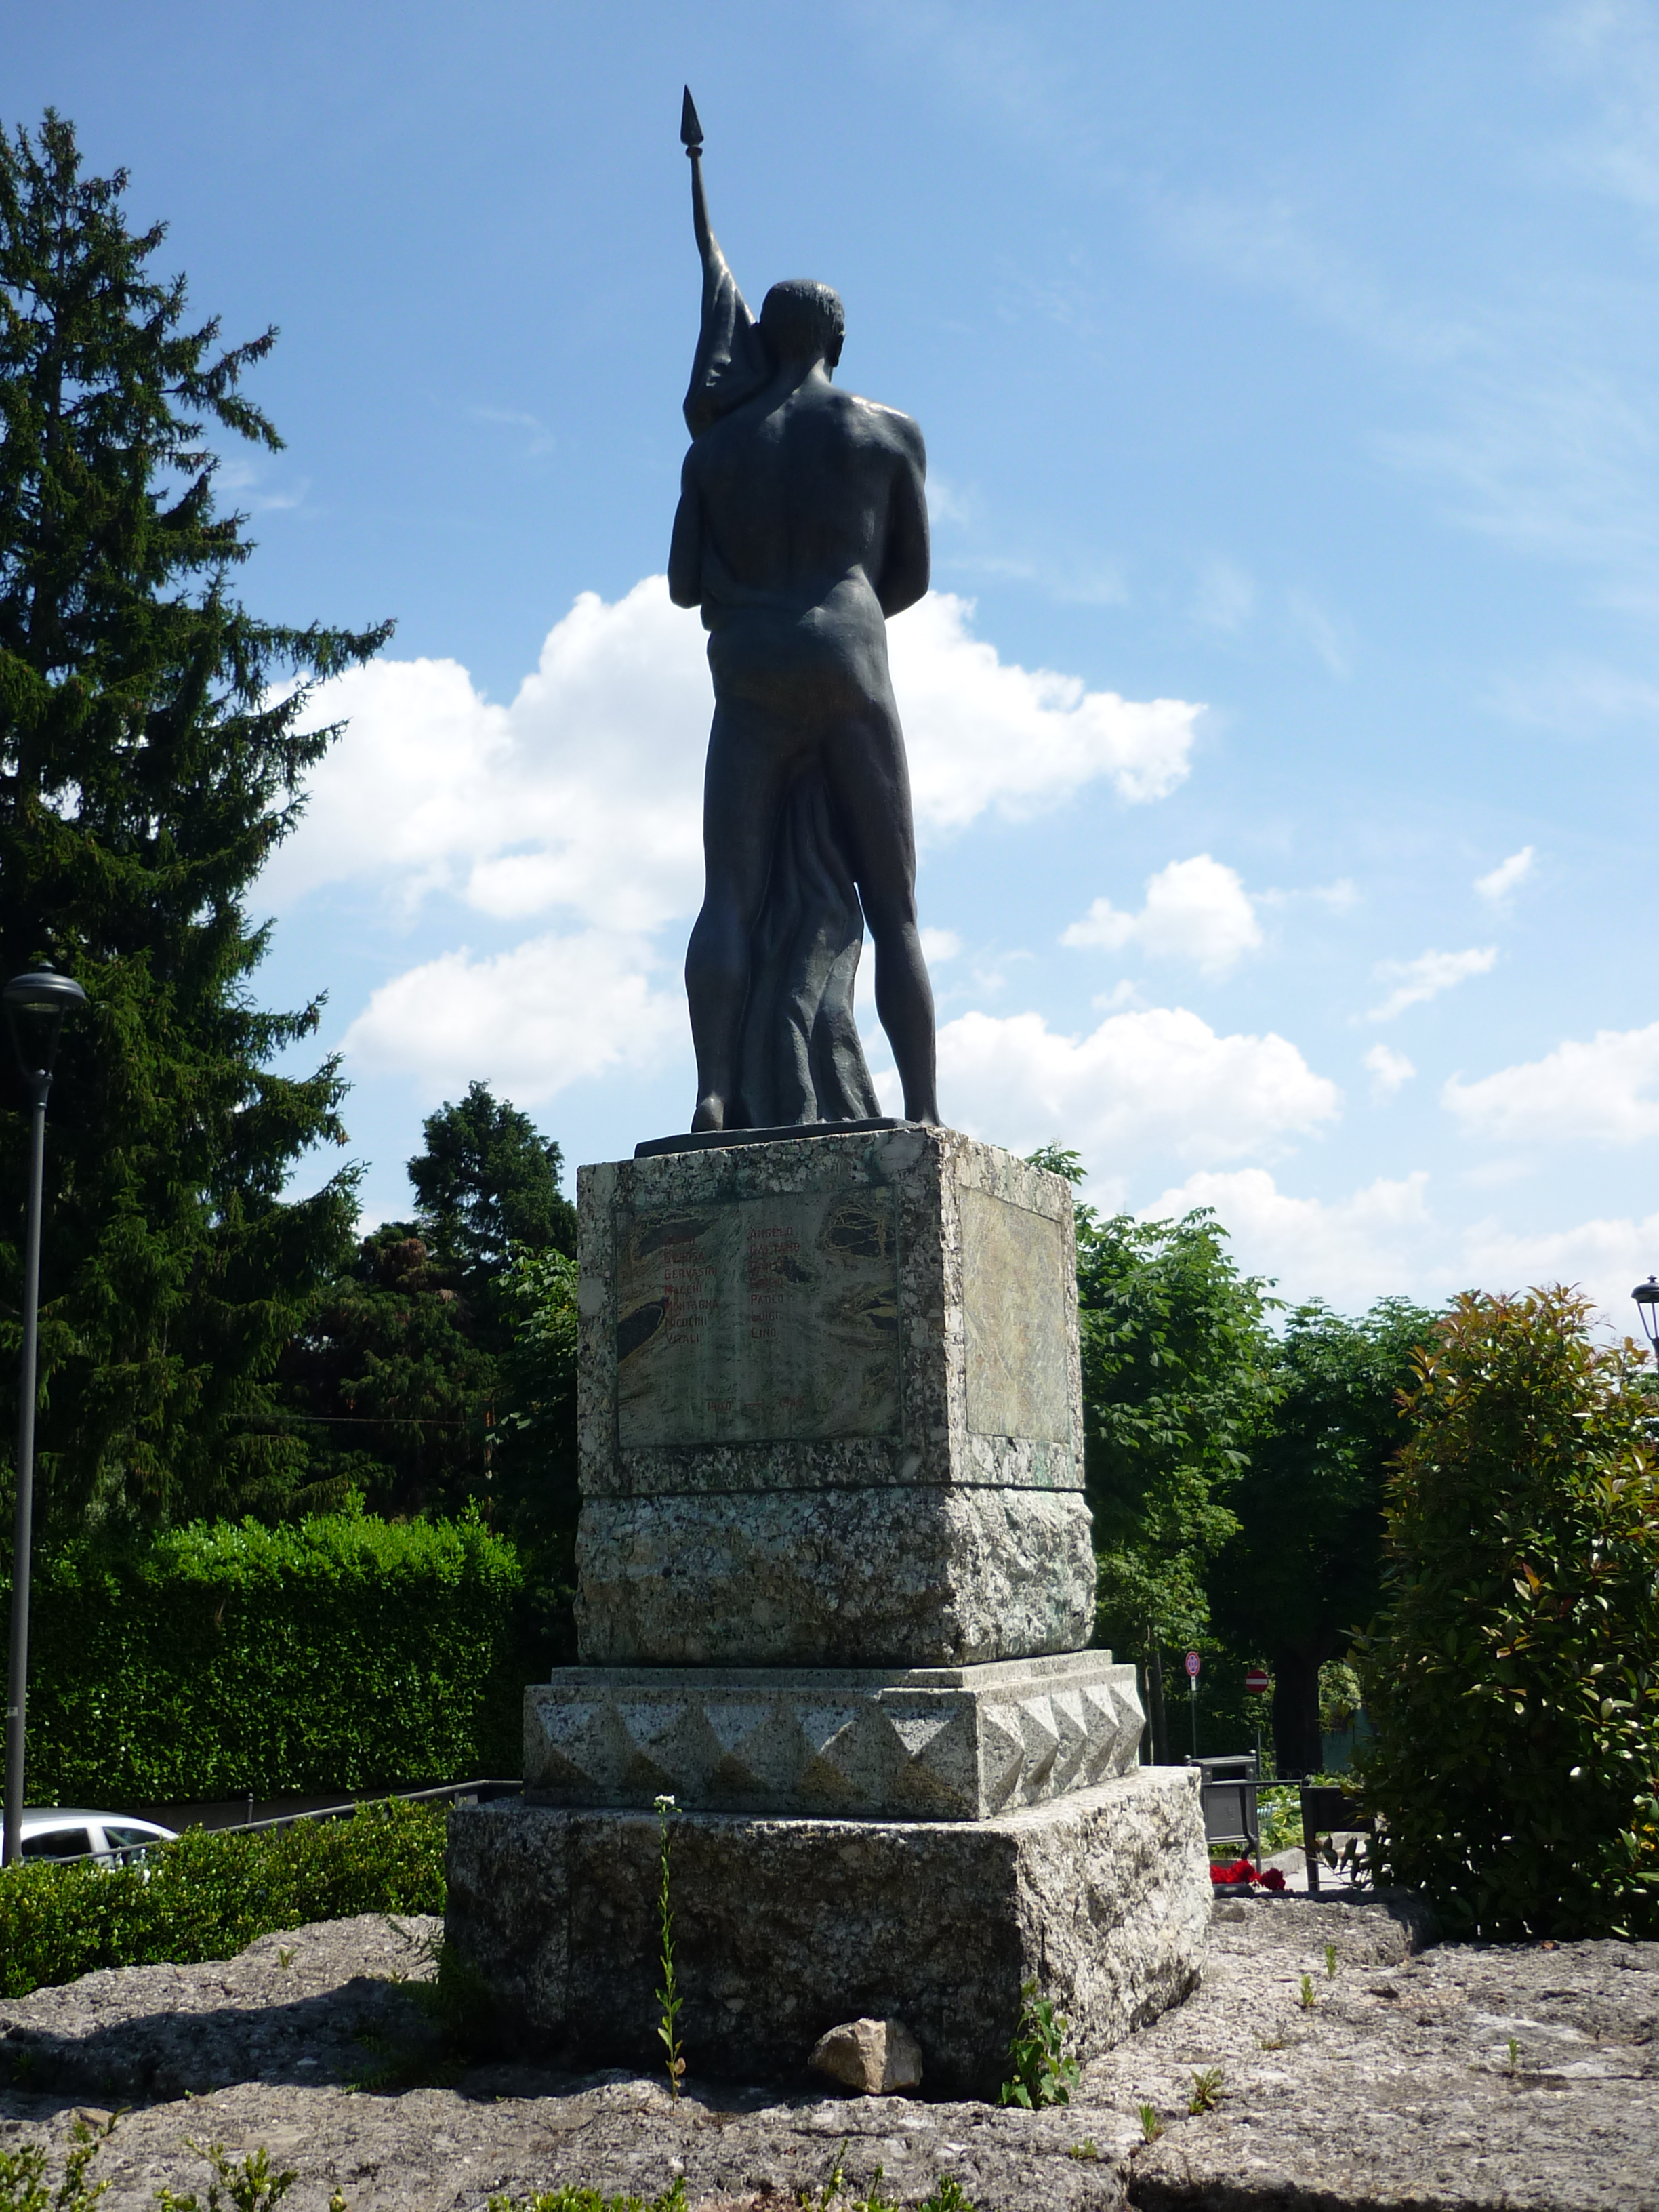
x=784, y=1928
x=925, y=1743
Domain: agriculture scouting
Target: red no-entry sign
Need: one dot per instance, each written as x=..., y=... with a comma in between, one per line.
x=1255, y=1680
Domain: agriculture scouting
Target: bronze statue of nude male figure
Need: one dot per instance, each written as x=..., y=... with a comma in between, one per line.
x=802, y=526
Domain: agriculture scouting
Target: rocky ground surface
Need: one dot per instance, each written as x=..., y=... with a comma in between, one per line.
x=1449, y=2077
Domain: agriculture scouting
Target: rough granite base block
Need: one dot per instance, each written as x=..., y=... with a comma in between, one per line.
x=880, y=1578
x=783, y=1928
x=922, y=1743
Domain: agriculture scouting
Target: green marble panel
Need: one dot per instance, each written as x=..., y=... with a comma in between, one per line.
x=1014, y=1319
x=769, y=1319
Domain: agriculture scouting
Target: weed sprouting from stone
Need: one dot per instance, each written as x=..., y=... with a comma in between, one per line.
x=1515, y=2056
x=1043, y=2075
x=23, y=2174
x=668, y=1996
x=252, y=2186
x=946, y=2195
x=1307, y=1999
x=833, y=2182
x=1207, y=2091
x=573, y=2198
x=1152, y=2122
x=1087, y=2151
x=1330, y=1962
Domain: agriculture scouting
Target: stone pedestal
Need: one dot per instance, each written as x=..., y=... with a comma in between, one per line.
x=782, y=1928
x=831, y=1408
x=835, y=1574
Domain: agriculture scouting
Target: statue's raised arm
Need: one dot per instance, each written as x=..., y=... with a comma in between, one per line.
x=732, y=361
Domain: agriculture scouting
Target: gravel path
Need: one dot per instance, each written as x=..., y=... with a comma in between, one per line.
x=1397, y=2087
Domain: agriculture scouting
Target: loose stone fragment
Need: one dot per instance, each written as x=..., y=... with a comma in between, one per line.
x=875, y=2056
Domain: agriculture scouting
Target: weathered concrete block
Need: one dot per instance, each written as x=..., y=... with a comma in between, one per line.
x=830, y=1407
x=925, y=1743
x=784, y=1928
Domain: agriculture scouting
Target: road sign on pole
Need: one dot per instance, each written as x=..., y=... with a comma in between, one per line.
x=1193, y=1662
x=1256, y=1683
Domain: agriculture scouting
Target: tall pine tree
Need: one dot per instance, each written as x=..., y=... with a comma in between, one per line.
x=154, y=736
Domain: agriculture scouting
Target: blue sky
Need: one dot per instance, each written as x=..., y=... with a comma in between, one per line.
x=1283, y=718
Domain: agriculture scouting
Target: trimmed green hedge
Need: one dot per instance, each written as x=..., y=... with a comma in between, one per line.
x=340, y=1652
x=208, y=1895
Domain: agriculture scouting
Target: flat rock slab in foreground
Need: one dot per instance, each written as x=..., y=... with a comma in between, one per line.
x=1394, y=2091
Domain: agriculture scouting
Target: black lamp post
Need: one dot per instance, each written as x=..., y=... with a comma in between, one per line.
x=1646, y=1296
x=47, y=998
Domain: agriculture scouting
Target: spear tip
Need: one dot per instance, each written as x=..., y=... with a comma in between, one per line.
x=690, y=129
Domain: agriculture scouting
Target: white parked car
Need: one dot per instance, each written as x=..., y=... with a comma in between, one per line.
x=68, y=1831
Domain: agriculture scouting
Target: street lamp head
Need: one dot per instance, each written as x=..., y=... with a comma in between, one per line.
x=42, y=990
x=1646, y=1296
x=45, y=991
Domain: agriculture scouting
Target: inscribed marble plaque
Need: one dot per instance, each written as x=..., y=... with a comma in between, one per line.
x=1014, y=1321
x=760, y=1319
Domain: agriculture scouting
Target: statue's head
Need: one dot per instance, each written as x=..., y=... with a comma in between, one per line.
x=804, y=321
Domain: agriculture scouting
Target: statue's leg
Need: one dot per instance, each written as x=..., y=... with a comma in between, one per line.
x=743, y=791
x=869, y=785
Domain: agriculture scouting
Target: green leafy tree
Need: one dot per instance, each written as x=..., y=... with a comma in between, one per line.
x=391, y=1394
x=1302, y=1573
x=1175, y=1382
x=1513, y=1674
x=537, y=1493
x=434, y=1368
x=154, y=737
x=488, y=1181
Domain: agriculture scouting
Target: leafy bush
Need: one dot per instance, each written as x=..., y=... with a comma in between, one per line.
x=340, y=1652
x=23, y=2183
x=208, y=1895
x=1513, y=1677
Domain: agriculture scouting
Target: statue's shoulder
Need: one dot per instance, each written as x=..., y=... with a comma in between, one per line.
x=887, y=424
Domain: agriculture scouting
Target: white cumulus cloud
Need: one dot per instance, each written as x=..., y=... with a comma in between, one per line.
x=584, y=793
x=1349, y=1251
x=1607, y=1090
x=1384, y=1241
x=1156, y=1082
x=1425, y=977
x=1388, y=1070
x=1605, y=1259
x=532, y=1020
x=1509, y=875
x=1195, y=910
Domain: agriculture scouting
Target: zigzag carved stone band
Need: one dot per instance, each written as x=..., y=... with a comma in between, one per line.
x=923, y=1743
